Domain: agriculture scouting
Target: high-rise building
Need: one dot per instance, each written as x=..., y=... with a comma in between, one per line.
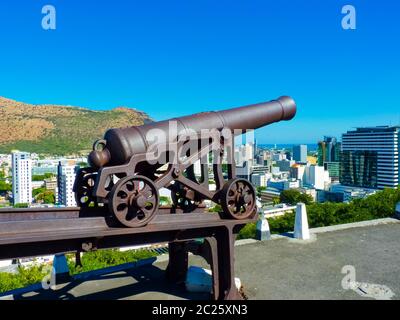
x=317, y=177
x=244, y=171
x=244, y=153
x=334, y=170
x=300, y=153
x=258, y=179
x=328, y=150
x=298, y=171
x=66, y=178
x=329, y=156
x=260, y=160
x=370, y=157
x=284, y=165
x=278, y=156
x=21, y=177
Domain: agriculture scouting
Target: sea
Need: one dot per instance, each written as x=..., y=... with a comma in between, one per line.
x=288, y=146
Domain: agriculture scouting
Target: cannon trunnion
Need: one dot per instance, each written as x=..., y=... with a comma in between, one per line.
x=131, y=165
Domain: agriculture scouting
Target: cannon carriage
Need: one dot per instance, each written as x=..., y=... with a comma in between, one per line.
x=129, y=166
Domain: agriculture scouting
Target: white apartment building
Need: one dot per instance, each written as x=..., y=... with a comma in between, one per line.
x=66, y=179
x=244, y=170
x=244, y=153
x=259, y=179
x=21, y=177
x=317, y=177
x=298, y=171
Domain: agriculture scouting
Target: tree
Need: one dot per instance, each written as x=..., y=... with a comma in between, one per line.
x=4, y=186
x=41, y=177
x=47, y=197
x=259, y=189
x=276, y=201
x=305, y=198
x=293, y=196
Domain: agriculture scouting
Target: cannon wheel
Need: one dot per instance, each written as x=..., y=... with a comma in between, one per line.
x=238, y=199
x=134, y=201
x=85, y=186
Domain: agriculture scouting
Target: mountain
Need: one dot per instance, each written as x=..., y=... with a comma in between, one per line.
x=58, y=130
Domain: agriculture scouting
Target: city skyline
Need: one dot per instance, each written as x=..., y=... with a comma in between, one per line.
x=166, y=59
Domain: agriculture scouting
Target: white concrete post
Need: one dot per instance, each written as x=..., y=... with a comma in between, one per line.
x=301, y=230
x=262, y=232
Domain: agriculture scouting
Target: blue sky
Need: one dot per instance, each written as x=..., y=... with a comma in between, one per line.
x=177, y=57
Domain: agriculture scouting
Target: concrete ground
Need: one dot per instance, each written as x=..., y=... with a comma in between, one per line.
x=284, y=268
x=289, y=269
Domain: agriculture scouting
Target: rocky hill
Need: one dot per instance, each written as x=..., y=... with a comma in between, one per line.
x=58, y=130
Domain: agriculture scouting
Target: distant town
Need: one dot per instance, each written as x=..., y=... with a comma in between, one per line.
x=362, y=162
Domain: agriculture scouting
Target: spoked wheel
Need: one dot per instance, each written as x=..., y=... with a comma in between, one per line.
x=84, y=188
x=184, y=198
x=238, y=199
x=134, y=201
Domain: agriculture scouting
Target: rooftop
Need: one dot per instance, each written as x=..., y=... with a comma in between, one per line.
x=283, y=268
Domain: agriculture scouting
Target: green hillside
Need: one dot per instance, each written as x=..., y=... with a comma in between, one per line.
x=58, y=130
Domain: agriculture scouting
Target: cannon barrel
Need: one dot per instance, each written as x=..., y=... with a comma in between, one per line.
x=121, y=143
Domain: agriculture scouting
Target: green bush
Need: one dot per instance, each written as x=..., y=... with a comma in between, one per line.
x=248, y=232
x=41, y=177
x=21, y=205
x=91, y=261
x=47, y=196
x=165, y=201
x=4, y=186
x=379, y=205
x=259, y=189
x=217, y=208
x=293, y=196
x=106, y=258
x=26, y=276
x=282, y=224
x=37, y=191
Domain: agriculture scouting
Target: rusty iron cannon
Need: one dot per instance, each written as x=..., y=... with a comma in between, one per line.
x=129, y=166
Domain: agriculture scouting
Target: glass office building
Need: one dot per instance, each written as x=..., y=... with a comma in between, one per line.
x=328, y=150
x=329, y=156
x=370, y=157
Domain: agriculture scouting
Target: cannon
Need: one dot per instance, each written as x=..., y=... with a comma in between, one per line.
x=129, y=166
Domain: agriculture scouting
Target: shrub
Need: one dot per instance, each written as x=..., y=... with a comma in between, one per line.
x=106, y=258
x=91, y=261
x=26, y=276
x=293, y=196
x=379, y=205
x=247, y=232
x=21, y=205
